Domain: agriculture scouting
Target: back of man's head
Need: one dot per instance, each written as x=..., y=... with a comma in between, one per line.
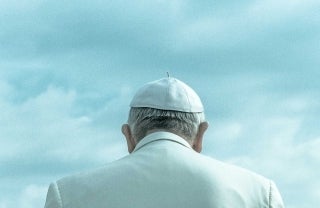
x=145, y=120
x=167, y=104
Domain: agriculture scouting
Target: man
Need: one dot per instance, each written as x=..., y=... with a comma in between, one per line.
x=164, y=168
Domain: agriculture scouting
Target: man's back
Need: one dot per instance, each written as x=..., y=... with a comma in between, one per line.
x=164, y=171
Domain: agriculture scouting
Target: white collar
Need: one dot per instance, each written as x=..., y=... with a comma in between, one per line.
x=162, y=135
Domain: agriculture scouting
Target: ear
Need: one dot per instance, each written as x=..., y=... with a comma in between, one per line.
x=197, y=143
x=126, y=131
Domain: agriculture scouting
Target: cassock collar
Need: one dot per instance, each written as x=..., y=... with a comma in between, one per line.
x=162, y=135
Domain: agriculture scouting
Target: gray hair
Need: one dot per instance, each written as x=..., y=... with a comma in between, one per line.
x=142, y=120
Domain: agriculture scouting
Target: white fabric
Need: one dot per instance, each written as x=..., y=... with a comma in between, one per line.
x=164, y=172
x=168, y=94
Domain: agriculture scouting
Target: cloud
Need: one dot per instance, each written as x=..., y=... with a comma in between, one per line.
x=54, y=29
x=49, y=134
x=258, y=36
x=291, y=165
x=228, y=37
x=269, y=129
x=273, y=145
x=68, y=73
x=30, y=196
x=47, y=127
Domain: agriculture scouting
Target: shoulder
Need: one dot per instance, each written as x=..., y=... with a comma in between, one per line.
x=235, y=172
x=227, y=176
x=235, y=181
x=107, y=170
x=69, y=190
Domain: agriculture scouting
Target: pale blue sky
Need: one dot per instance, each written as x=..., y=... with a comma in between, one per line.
x=68, y=70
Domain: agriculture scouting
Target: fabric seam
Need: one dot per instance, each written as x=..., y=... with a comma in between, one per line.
x=59, y=194
x=270, y=193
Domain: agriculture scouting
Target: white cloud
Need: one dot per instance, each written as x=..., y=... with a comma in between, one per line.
x=252, y=25
x=43, y=137
x=291, y=165
x=33, y=196
x=275, y=10
x=30, y=196
x=32, y=122
x=226, y=132
x=50, y=122
x=64, y=88
x=280, y=156
x=5, y=89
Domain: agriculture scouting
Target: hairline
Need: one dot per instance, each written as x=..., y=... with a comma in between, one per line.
x=188, y=122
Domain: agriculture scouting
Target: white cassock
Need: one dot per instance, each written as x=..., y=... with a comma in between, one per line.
x=164, y=172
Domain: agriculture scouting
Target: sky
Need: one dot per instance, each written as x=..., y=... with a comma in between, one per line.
x=68, y=70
